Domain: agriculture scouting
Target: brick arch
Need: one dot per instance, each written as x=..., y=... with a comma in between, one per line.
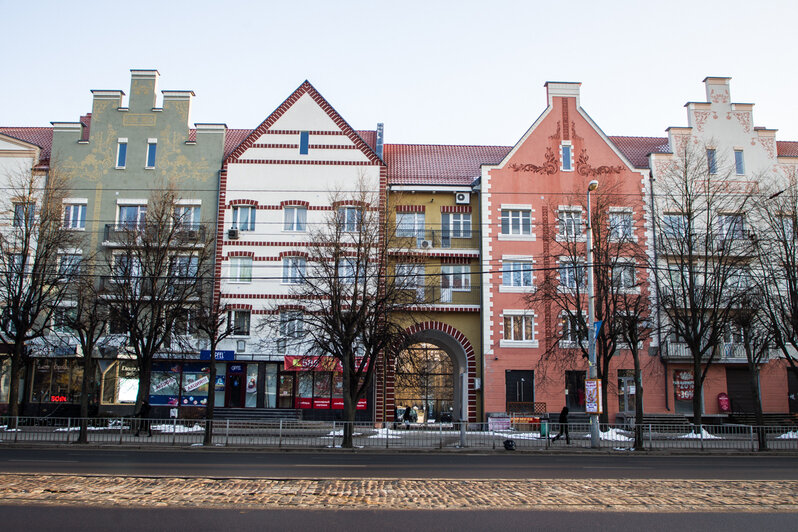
x=470, y=357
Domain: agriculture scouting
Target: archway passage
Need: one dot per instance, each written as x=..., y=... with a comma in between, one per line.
x=424, y=382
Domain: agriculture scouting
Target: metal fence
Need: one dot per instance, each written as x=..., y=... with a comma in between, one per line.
x=316, y=434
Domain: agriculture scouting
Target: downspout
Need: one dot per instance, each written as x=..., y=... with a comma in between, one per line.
x=656, y=284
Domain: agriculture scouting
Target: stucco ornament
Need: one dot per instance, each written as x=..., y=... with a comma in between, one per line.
x=583, y=167
x=551, y=166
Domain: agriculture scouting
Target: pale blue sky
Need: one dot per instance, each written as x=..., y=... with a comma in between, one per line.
x=434, y=72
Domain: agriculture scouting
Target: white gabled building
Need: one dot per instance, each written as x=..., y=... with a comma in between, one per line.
x=273, y=186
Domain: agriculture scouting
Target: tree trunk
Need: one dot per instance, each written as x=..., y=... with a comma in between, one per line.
x=760, y=418
x=604, y=417
x=698, y=406
x=145, y=370
x=88, y=375
x=211, y=403
x=13, y=389
x=638, y=402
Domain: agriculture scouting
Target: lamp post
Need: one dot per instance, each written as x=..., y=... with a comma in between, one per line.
x=591, y=318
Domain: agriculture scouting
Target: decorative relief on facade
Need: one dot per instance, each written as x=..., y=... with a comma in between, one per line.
x=701, y=119
x=663, y=167
x=743, y=117
x=565, y=119
x=551, y=166
x=556, y=135
x=680, y=143
x=769, y=143
x=583, y=167
x=719, y=96
x=134, y=120
x=574, y=136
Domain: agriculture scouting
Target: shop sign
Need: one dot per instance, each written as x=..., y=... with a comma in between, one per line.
x=235, y=368
x=321, y=403
x=306, y=363
x=499, y=423
x=593, y=396
x=683, y=386
x=58, y=399
x=304, y=402
x=338, y=403
x=219, y=387
x=361, y=404
x=171, y=381
x=196, y=384
x=205, y=354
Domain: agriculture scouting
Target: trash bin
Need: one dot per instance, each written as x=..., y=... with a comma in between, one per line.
x=544, y=428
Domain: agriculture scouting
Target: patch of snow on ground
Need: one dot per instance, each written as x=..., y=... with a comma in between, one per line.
x=388, y=433
x=696, y=436
x=340, y=432
x=792, y=435
x=178, y=428
x=614, y=435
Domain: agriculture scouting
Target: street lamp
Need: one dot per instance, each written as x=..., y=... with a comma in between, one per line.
x=591, y=332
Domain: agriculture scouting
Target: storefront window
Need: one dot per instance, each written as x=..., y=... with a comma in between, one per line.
x=575, y=386
x=164, y=383
x=56, y=381
x=120, y=383
x=286, y=391
x=252, y=386
x=683, y=390
x=195, y=385
x=218, y=387
x=322, y=386
x=271, y=386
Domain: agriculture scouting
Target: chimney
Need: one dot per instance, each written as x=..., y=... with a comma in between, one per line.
x=717, y=90
x=378, y=147
x=143, y=86
x=562, y=89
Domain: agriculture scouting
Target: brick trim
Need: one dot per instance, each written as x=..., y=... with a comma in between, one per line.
x=303, y=254
x=402, y=209
x=251, y=202
x=288, y=307
x=455, y=260
x=241, y=254
x=238, y=306
x=294, y=203
x=455, y=208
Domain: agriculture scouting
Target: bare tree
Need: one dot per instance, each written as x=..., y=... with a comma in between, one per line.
x=347, y=306
x=622, y=303
x=153, y=282
x=703, y=245
x=31, y=247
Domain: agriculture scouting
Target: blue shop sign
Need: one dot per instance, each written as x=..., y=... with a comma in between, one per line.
x=205, y=354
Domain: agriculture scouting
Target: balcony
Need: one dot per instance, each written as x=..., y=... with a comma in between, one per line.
x=126, y=234
x=437, y=239
x=729, y=353
x=432, y=296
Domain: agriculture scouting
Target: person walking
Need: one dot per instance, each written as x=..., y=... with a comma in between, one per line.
x=144, y=419
x=563, y=426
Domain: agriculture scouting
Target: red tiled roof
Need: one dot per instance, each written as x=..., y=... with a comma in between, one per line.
x=232, y=138
x=636, y=149
x=40, y=136
x=424, y=164
x=787, y=148
x=369, y=136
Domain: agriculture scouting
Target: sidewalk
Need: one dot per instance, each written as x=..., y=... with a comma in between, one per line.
x=411, y=494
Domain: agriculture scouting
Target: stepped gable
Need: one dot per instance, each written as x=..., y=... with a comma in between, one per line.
x=426, y=164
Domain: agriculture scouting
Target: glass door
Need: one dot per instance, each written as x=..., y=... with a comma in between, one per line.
x=626, y=390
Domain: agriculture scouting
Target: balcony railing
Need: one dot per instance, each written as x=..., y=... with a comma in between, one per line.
x=726, y=353
x=439, y=239
x=436, y=295
x=188, y=234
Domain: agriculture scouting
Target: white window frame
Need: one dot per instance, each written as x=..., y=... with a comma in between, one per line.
x=622, y=225
x=69, y=219
x=621, y=270
x=410, y=224
x=732, y=226
x=567, y=265
x=295, y=268
x=240, y=270
x=524, y=318
x=569, y=219
x=510, y=268
x=141, y=216
x=233, y=318
x=569, y=324
x=250, y=222
x=566, y=163
x=514, y=212
x=411, y=276
x=119, y=143
x=456, y=274
x=459, y=224
x=672, y=230
x=181, y=210
x=152, y=144
x=75, y=259
x=739, y=162
x=348, y=224
x=295, y=219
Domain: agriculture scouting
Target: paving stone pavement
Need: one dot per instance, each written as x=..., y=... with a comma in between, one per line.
x=613, y=495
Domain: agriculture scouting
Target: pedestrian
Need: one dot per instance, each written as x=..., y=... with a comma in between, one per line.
x=144, y=419
x=563, y=426
x=407, y=417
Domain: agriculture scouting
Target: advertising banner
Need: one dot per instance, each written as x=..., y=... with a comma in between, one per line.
x=593, y=396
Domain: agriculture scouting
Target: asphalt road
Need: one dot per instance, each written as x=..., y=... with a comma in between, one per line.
x=64, y=519
x=225, y=463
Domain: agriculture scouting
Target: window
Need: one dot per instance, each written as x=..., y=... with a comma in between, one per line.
x=74, y=216
x=350, y=218
x=519, y=328
x=132, y=216
x=184, y=266
x=571, y=329
x=63, y=317
x=69, y=266
x=152, y=146
x=348, y=269
x=516, y=222
x=517, y=274
x=410, y=277
x=185, y=324
x=739, y=165
x=239, y=322
x=572, y=275
x=733, y=334
x=458, y=225
x=244, y=218
x=187, y=217
x=18, y=263
x=304, y=142
x=126, y=267
x=456, y=277
x=116, y=323
x=620, y=226
x=291, y=328
x=121, y=153
x=712, y=163
x=241, y=269
x=570, y=222
x=294, y=218
x=732, y=226
x=623, y=276
x=23, y=215
x=410, y=224
x=293, y=270
x=567, y=163
x=674, y=225
x=787, y=228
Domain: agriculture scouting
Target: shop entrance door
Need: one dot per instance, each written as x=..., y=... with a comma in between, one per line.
x=235, y=385
x=518, y=386
x=626, y=391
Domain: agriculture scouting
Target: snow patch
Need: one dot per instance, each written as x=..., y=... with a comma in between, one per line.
x=173, y=429
x=614, y=435
x=792, y=435
x=697, y=436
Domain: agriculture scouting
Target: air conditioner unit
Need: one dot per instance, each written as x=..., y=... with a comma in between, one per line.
x=425, y=244
x=462, y=198
x=232, y=234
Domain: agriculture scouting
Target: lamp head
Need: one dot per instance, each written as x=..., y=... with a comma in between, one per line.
x=593, y=185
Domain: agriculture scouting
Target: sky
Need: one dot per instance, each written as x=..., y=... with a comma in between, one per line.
x=434, y=72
